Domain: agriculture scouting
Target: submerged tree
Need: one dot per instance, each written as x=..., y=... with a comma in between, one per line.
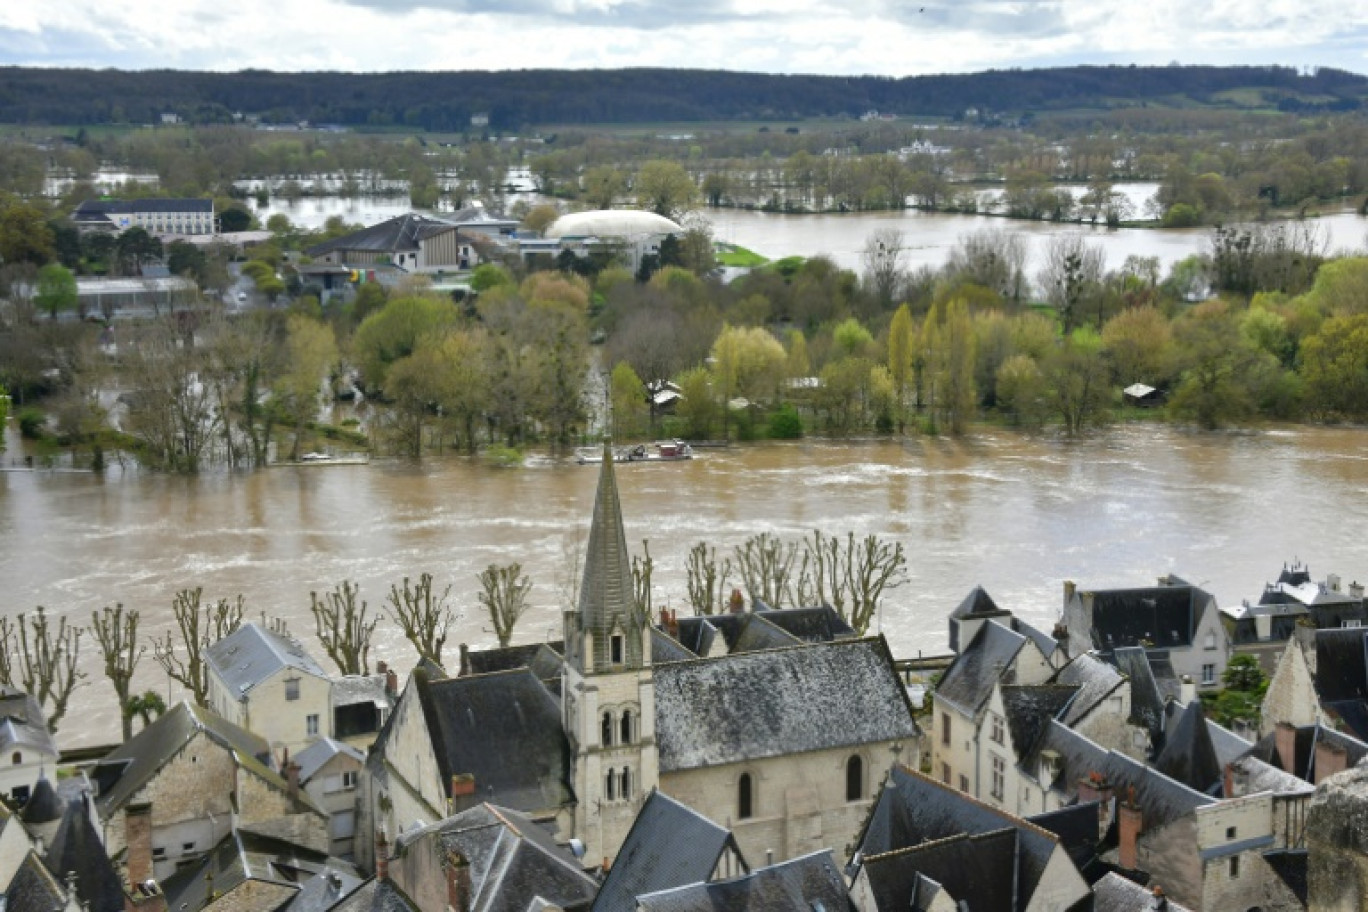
x=45, y=660
x=342, y=627
x=116, y=630
x=424, y=617
x=200, y=625
x=505, y=597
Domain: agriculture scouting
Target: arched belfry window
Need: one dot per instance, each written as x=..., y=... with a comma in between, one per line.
x=626, y=783
x=610, y=785
x=607, y=732
x=855, y=778
x=745, y=797
x=616, y=648
x=626, y=734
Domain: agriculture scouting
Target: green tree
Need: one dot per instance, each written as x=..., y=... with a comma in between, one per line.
x=56, y=289
x=603, y=185
x=697, y=404
x=953, y=366
x=1139, y=343
x=901, y=341
x=311, y=350
x=1217, y=367
x=665, y=188
x=395, y=331
x=1334, y=366
x=25, y=236
x=1022, y=391
x=628, y=396
x=1077, y=378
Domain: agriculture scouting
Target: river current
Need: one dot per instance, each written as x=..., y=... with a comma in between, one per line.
x=1017, y=514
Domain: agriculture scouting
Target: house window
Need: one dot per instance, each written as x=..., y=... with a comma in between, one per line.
x=187, y=847
x=20, y=794
x=311, y=723
x=626, y=783
x=964, y=783
x=996, y=733
x=855, y=778
x=999, y=777
x=18, y=758
x=606, y=735
x=158, y=852
x=1208, y=674
x=1234, y=866
x=1210, y=641
x=349, y=779
x=945, y=728
x=292, y=688
x=1230, y=832
x=945, y=773
x=626, y=726
x=615, y=645
x=745, y=797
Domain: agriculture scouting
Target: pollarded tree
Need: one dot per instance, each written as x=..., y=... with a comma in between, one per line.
x=642, y=568
x=342, y=627
x=199, y=625
x=424, y=617
x=765, y=563
x=41, y=661
x=116, y=630
x=851, y=576
x=707, y=579
x=504, y=597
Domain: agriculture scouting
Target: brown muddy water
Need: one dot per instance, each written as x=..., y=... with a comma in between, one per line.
x=1017, y=514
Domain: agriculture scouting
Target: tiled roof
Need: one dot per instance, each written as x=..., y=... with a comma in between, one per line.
x=969, y=680
x=33, y=888
x=809, y=882
x=1342, y=664
x=819, y=624
x=505, y=730
x=251, y=654
x=1147, y=703
x=781, y=701
x=670, y=845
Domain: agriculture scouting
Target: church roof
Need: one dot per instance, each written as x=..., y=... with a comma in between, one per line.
x=754, y=705
x=806, y=882
x=607, y=599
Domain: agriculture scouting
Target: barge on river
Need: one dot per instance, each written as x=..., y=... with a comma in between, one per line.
x=664, y=451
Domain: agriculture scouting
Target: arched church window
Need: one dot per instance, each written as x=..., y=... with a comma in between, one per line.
x=626, y=735
x=745, y=797
x=855, y=778
x=607, y=732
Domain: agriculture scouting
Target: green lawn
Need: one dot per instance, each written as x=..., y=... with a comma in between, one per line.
x=733, y=255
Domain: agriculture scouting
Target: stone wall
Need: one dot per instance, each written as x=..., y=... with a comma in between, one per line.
x=1337, y=840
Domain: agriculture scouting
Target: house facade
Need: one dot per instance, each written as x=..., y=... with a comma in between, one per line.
x=27, y=748
x=267, y=683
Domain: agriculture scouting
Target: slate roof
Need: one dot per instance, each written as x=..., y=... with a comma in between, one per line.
x=1163, y=616
x=252, y=654
x=1077, y=828
x=128, y=207
x=1095, y=680
x=375, y=896
x=969, y=680
x=1162, y=800
x=1029, y=707
x=780, y=701
x=670, y=845
x=505, y=730
x=401, y=233
x=275, y=865
x=1291, y=866
x=505, y=658
x=665, y=648
x=512, y=859
x=749, y=632
x=1146, y=700
x=350, y=690
x=914, y=810
x=697, y=634
x=314, y=757
x=808, y=882
x=1342, y=664
x=33, y=888
x=132, y=765
x=978, y=601
x=43, y=805
x=1188, y=755
x=1115, y=893
x=76, y=847
x=23, y=723
x=819, y=624
x=1255, y=775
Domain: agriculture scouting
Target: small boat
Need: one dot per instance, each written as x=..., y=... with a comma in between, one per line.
x=662, y=451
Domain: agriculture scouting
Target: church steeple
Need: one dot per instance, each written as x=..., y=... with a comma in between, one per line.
x=609, y=627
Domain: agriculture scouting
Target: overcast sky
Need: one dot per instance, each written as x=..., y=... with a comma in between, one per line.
x=886, y=37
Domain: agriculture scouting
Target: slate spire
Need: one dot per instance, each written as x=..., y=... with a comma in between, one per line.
x=606, y=598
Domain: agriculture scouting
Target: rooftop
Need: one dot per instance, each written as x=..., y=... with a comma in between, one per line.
x=252, y=654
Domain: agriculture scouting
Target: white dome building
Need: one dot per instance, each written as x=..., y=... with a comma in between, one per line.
x=612, y=223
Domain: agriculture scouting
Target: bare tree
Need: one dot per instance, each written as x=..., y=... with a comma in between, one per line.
x=342, y=627
x=642, y=567
x=851, y=576
x=707, y=580
x=116, y=630
x=425, y=618
x=505, y=597
x=200, y=625
x=46, y=660
x=1072, y=273
x=883, y=257
x=765, y=563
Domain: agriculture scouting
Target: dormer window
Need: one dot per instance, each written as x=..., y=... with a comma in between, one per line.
x=616, y=648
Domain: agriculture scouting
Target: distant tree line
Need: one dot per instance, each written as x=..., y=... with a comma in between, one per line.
x=446, y=101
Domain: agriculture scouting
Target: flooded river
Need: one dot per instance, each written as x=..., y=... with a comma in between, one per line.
x=1019, y=515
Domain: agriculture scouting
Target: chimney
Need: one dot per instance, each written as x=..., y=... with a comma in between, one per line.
x=1158, y=901
x=674, y=623
x=665, y=619
x=1095, y=787
x=1129, y=827
x=381, y=855
x=457, y=870
x=292, y=778
x=465, y=661
x=1228, y=786
x=1330, y=759
x=1285, y=740
x=462, y=787
x=1356, y=590
x=381, y=667
x=138, y=839
x=737, y=603
x=391, y=684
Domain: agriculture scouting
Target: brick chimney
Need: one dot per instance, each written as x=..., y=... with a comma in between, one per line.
x=381, y=666
x=142, y=894
x=1095, y=787
x=737, y=603
x=465, y=661
x=381, y=855
x=1130, y=824
x=673, y=625
x=457, y=869
x=292, y=778
x=1285, y=740
x=1330, y=759
x=462, y=788
x=391, y=683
